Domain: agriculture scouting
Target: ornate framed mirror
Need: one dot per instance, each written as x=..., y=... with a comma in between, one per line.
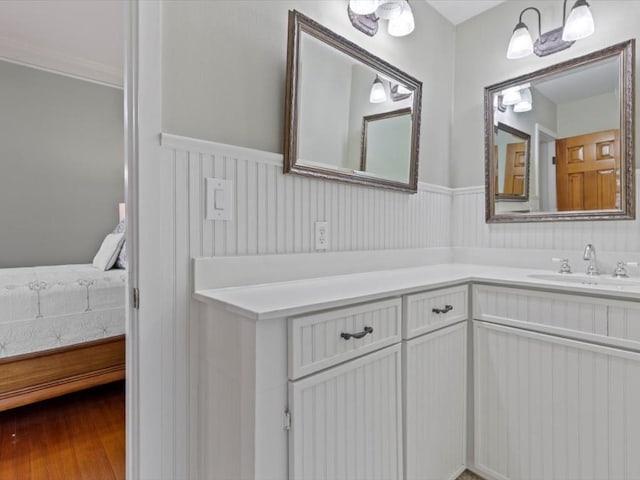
x=574, y=123
x=349, y=115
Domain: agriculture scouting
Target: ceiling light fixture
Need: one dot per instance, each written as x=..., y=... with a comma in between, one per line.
x=365, y=16
x=579, y=25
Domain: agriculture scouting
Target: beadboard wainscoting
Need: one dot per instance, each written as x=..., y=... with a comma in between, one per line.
x=471, y=231
x=273, y=214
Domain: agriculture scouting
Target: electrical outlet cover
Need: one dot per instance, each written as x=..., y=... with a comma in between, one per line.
x=322, y=236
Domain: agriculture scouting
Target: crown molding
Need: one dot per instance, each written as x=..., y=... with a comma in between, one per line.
x=41, y=58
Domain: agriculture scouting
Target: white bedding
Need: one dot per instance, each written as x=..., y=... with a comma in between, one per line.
x=49, y=307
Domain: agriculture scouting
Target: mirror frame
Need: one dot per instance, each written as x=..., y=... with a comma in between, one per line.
x=506, y=197
x=298, y=24
x=625, y=51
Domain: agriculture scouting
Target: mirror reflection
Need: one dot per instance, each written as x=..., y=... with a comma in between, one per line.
x=511, y=158
x=577, y=165
x=386, y=138
x=350, y=116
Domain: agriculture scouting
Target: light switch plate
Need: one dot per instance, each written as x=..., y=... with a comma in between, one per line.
x=219, y=199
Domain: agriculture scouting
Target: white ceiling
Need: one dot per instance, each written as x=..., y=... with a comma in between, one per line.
x=81, y=38
x=458, y=11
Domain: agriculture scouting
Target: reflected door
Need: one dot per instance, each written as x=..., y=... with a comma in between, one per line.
x=515, y=168
x=587, y=171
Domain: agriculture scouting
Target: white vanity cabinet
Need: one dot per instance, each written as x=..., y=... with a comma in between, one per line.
x=555, y=396
x=347, y=421
x=345, y=397
x=435, y=383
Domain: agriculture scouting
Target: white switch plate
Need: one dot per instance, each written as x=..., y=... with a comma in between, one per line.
x=322, y=236
x=219, y=199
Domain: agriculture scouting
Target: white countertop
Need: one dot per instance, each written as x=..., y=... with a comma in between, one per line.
x=283, y=299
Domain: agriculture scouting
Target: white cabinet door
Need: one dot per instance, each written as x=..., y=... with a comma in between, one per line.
x=346, y=422
x=435, y=404
x=552, y=408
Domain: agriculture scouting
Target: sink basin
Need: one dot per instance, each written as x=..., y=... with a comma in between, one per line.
x=586, y=279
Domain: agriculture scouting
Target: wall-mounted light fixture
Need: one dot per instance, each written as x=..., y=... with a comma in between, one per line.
x=366, y=14
x=526, y=101
x=519, y=97
x=378, y=93
x=579, y=25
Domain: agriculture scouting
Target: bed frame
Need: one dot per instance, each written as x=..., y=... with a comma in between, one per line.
x=38, y=376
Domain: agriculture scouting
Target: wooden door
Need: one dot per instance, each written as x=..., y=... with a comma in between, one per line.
x=346, y=422
x=515, y=168
x=587, y=171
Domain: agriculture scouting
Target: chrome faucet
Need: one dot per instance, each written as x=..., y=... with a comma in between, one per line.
x=590, y=256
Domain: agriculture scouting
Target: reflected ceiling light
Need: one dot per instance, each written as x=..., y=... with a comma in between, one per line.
x=403, y=24
x=363, y=7
x=579, y=25
x=511, y=96
x=397, y=12
x=378, y=94
x=526, y=102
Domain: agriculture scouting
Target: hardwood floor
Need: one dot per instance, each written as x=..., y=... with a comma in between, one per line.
x=76, y=436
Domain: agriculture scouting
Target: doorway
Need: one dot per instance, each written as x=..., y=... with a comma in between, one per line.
x=62, y=317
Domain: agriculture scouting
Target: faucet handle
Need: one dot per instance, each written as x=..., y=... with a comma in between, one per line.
x=621, y=269
x=564, y=264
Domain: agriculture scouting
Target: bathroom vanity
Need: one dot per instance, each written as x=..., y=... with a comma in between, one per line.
x=419, y=373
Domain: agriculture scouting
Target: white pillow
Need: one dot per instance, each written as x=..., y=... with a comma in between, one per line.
x=108, y=253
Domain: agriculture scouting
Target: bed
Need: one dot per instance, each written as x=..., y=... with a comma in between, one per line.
x=61, y=330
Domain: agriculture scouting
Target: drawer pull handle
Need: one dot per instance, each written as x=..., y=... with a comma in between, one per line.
x=446, y=309
x=366, y=330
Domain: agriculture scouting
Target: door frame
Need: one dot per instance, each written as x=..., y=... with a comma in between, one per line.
x=147, y=454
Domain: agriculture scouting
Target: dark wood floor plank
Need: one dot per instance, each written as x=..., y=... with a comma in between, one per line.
x=77, y=436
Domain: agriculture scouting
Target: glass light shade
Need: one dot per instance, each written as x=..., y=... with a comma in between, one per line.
x=579, y=24
x=511, y=96
x=521, y=43
x=389, y=9
x=402, y=90
x=526, y=102
x=378, y=94
x=403, y=24
x=363, y=7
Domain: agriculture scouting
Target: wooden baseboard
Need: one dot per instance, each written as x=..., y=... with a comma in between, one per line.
x=38, y=376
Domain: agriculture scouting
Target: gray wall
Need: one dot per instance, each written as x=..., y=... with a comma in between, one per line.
x=61, y=166
x=481, y=46
x=589, y=115
x=324, y=93
x=224, y=66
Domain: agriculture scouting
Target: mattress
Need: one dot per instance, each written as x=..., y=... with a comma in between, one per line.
x=57, y=306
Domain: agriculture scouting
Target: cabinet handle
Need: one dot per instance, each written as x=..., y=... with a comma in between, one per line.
x=446, y=309
x=366, y=330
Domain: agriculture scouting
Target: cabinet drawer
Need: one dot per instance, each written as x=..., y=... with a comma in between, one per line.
x=318, y=341
x=548, y=312
x=429, y=311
